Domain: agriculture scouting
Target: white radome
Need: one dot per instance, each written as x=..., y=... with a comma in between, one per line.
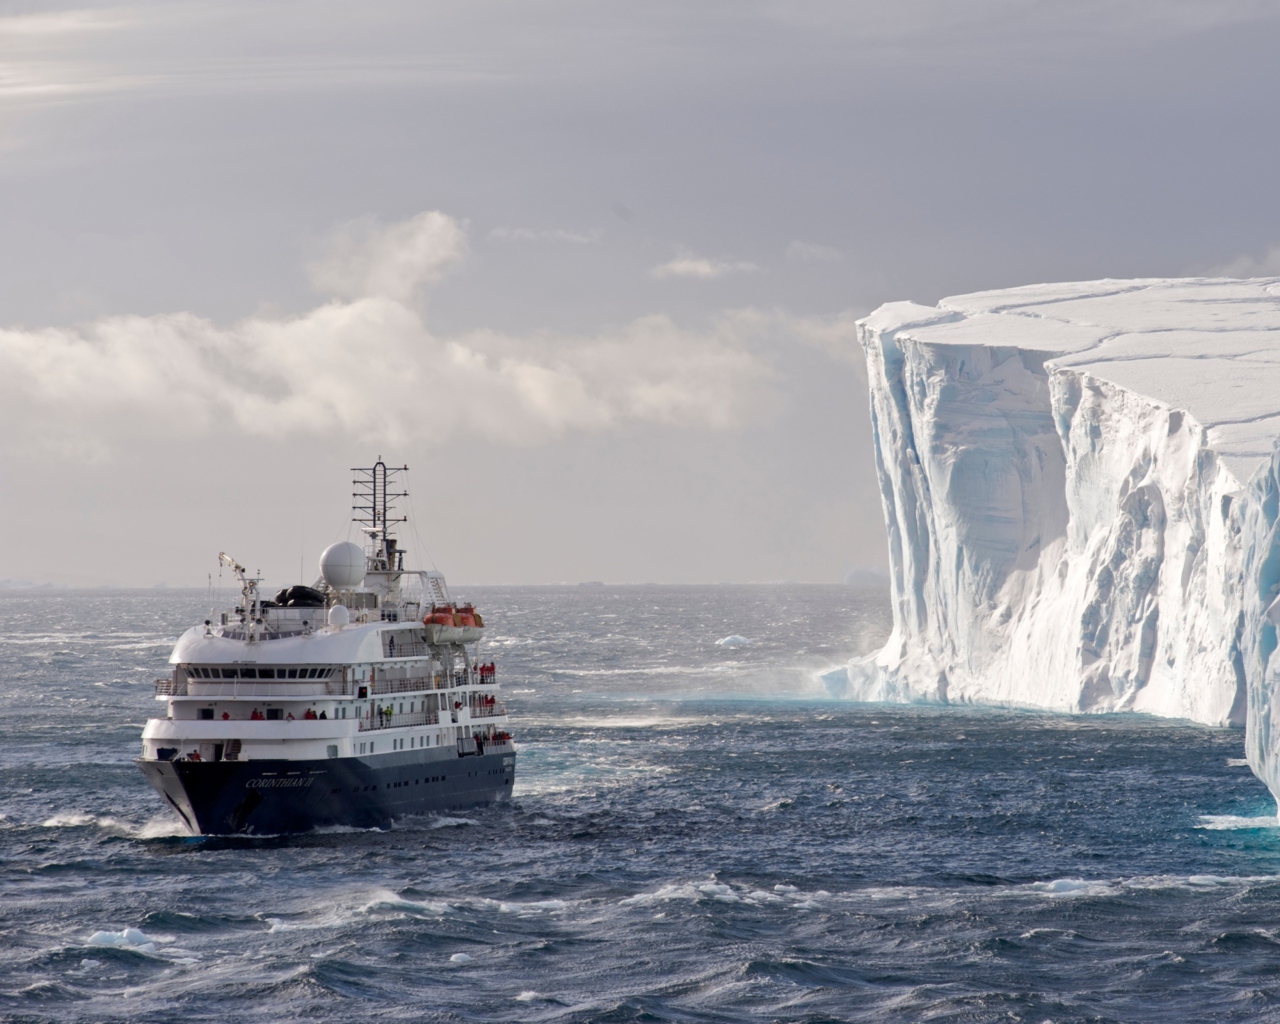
x=339, y=616
x=342, y=565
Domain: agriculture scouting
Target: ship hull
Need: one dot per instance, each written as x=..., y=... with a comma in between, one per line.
x=274, y=797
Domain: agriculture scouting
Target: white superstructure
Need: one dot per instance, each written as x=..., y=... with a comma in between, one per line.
x=347, y=668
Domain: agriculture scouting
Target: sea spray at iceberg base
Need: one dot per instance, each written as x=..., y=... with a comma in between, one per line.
x=1081, y=493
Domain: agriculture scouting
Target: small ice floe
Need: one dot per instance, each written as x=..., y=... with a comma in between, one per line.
x=130, y=938
x=1237, y=762
x=460, y=958
x=732, y=641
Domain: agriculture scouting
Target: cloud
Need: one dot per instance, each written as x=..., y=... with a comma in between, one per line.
x=696, y=267
x=394, y=261
x=552, y=235
x=813, y=252
x=368, y=366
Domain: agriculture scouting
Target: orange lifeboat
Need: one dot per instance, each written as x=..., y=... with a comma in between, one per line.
x=440, y=616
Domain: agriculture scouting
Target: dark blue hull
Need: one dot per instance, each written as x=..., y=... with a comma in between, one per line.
x=275, y=797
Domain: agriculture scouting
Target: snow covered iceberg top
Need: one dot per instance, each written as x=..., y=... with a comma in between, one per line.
x=1209, y=346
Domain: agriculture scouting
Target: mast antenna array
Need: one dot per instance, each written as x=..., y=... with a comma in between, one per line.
x=375, y=506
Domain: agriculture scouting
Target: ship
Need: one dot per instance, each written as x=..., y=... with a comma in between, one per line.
x=353, y=702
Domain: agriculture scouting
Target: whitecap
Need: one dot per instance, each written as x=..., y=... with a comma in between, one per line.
x=733, y=641
x=395, y=903
x=460, y=958
x=74, y=819
x=1059, y=887
x=449, y=822
x=1237, y=762
x=779, y=805
x=1226, y=822
x=528, y=996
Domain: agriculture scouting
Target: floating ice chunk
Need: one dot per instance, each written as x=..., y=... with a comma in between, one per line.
x=733, y=641
x=1073, y=887
x=130, y=938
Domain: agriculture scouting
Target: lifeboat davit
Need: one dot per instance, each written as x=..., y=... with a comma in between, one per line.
x=445, y=624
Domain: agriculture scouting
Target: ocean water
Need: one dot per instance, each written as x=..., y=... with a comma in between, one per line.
x=697, y=834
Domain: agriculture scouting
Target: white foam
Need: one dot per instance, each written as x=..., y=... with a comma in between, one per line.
x=460, y=958
x=528, y=996
x=1060, y=887
x=733, y=641
x=154, y=828
x=1237, y=762
x=393, y=903
x=1226, y=822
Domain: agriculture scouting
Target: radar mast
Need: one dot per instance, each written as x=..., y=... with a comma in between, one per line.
x=374, y=507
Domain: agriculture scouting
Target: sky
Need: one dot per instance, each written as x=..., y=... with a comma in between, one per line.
x=591, y=270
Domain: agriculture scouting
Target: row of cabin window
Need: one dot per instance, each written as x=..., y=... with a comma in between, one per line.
x=421, y=741
x=260, y=673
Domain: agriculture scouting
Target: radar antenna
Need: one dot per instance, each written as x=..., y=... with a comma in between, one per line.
x=374, y=507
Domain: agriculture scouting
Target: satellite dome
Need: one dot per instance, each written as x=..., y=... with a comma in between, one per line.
x=342, y=565
x=339, y=616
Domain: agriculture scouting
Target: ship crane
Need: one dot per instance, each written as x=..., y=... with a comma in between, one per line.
x=248, y=589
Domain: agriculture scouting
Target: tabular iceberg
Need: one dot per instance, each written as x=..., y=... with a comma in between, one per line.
x=1082, y=492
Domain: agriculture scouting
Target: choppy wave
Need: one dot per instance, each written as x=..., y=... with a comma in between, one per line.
x=692, y=838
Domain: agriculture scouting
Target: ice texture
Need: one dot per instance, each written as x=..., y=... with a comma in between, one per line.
x=1081, y=488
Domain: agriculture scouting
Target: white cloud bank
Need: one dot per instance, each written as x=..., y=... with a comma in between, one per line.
x=690, y=266
x=366, y=365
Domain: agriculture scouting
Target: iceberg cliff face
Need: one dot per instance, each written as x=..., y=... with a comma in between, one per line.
x=1082, y=501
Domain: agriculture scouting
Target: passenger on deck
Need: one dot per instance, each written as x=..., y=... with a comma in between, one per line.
x=311, y=713
x=323, y=715
x=257, y=716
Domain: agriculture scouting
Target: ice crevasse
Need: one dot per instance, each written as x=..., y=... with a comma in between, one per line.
x=1082, y=489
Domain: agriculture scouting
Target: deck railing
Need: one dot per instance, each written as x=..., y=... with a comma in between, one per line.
x=488, y=710
x=334, y=686
x=410, y=718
